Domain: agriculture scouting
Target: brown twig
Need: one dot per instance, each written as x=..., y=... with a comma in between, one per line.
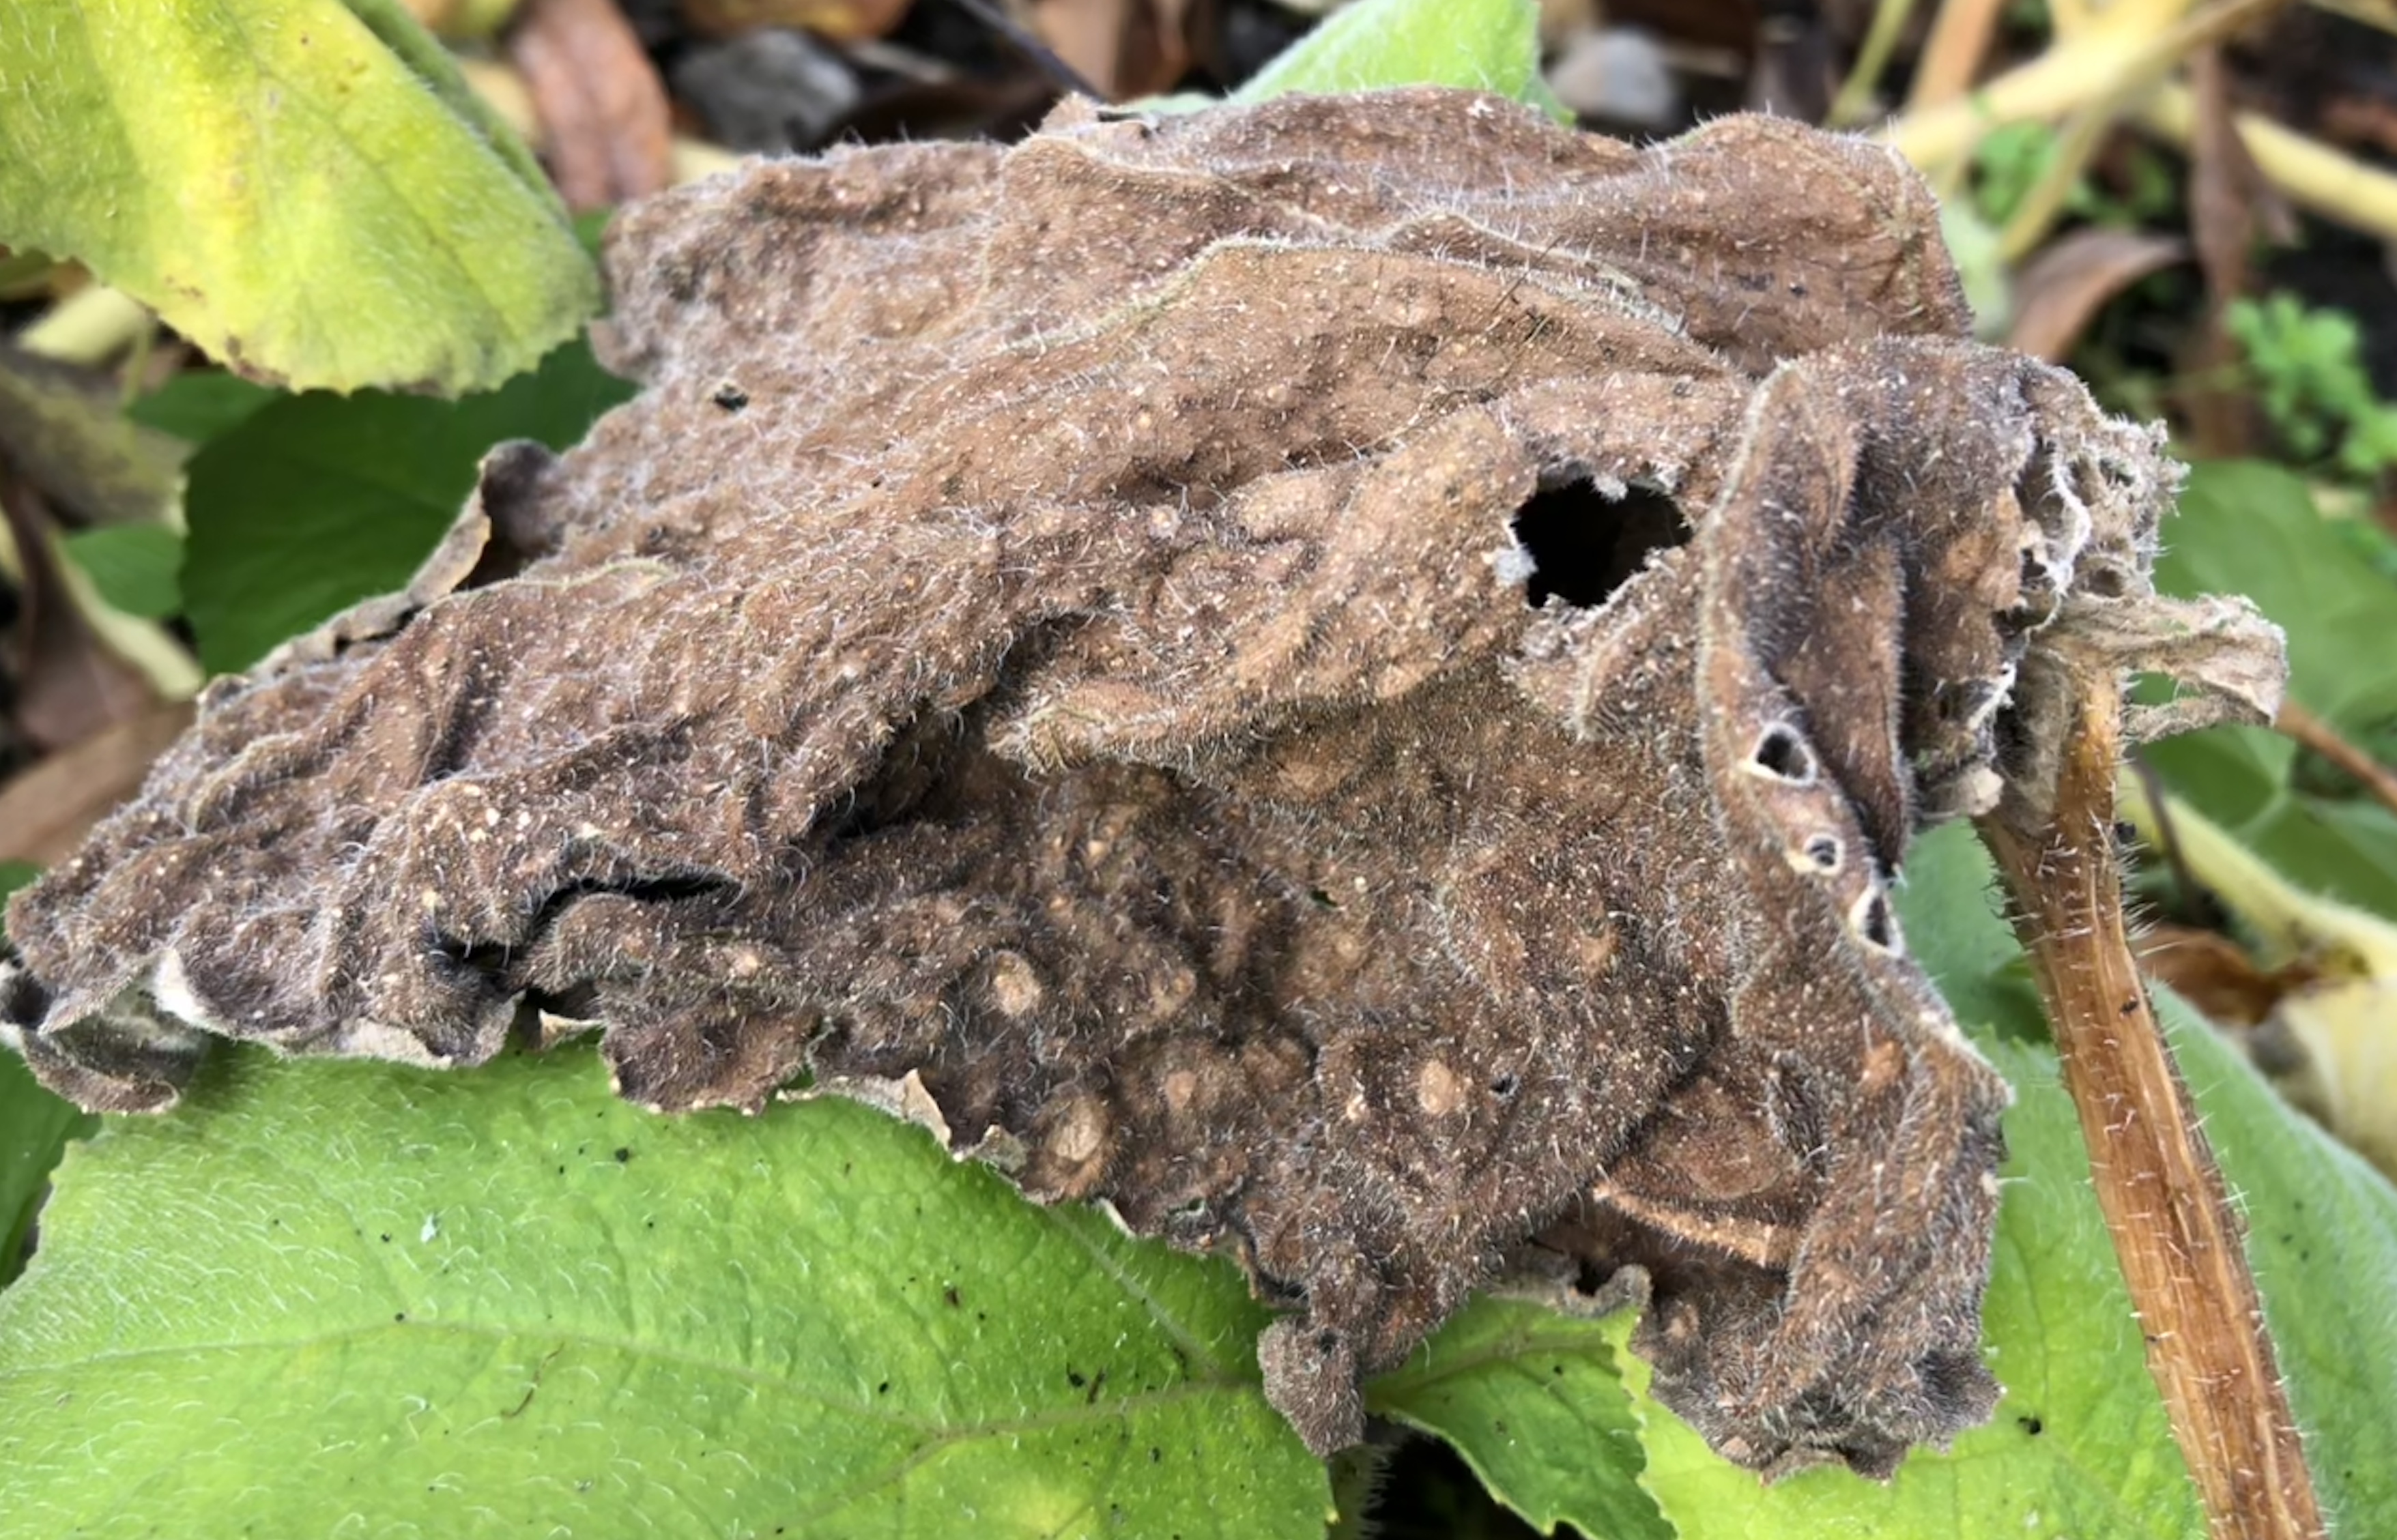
x=2296, y=723
x=2178, y=1241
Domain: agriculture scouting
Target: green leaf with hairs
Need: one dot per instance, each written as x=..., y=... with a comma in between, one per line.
x=35, y=1128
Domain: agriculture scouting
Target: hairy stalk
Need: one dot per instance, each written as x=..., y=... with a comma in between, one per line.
x=2180, y=1244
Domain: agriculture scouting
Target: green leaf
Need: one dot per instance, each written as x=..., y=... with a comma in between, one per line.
x=1948, y=901
x=1978, y=249
x=34, y=1127
x=1535, y=1402
x=2245, y=778
x=2321, y=1233
x=197, y=405
x=132, y=566
x=302, y=187
x=322, y=1296
x=1485, y=44
x=315, y=501
x=2253, y=529
x=2250, y=527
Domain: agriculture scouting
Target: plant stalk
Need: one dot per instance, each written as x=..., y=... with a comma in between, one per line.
x=2180, y=1244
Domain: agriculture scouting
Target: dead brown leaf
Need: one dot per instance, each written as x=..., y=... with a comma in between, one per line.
x=2231, y=203
x=46, y=811
x=1343, y=675
x=2214, y=973
x=2065, y=287
x=606, y=127
x=1125, y=48
x=69, y=684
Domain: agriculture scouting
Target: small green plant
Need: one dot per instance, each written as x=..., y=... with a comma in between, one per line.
x=2305, y=365
x=2014, y=157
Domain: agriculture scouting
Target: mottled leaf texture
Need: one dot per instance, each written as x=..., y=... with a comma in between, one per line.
x=2080, y=1447
x=1343, y=675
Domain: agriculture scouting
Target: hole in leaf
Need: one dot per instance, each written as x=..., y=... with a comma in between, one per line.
x=1586, y=543
x=1875, y=922
x=1783, y=754
x=2036, y=573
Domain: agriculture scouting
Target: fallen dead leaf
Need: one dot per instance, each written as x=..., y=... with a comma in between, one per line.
x=2062, y=288
x=608, y=130
x=2214, y=973
x=1125, y=48
x=44, y=811
x=69, y=685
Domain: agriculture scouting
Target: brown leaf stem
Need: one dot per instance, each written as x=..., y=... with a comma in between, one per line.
x=2179, y=1242
x=2314, y=732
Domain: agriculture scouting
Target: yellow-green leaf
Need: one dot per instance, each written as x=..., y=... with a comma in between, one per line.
x=302, y=187
x=1484, y=45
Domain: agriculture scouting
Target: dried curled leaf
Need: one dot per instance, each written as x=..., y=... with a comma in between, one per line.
x=1049, y=652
